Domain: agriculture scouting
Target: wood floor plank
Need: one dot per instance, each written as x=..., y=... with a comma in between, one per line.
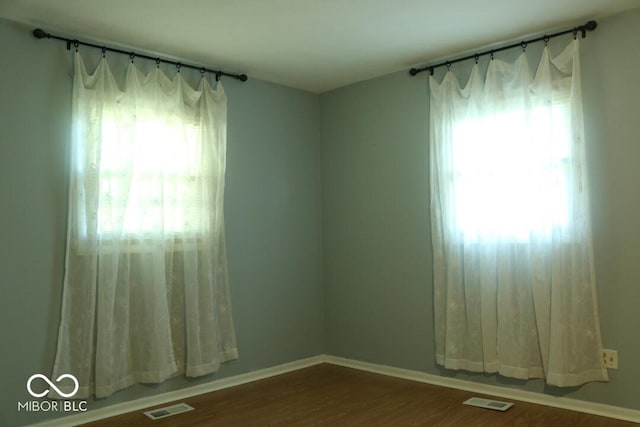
x=329, y=395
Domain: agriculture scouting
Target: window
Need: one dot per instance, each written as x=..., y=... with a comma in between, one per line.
x=148, y=178
x=511, y=172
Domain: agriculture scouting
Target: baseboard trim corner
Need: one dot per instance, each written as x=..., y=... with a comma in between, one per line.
x=600, y=409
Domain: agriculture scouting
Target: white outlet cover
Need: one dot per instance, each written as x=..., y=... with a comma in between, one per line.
x=610, y=358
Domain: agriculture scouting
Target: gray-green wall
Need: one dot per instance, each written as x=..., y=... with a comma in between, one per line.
x=327, y=217
x=377, y=254
x=272, y=207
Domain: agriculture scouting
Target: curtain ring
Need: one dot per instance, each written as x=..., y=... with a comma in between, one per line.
x=157, y=62
x=575, y=33
x=476, y=57
x=218, y=75
x=491, y=55
x=448, y=65
x=546, y=40
x=76, y=44
x=524, y=46
x=104, y=51
x=202, y=72
x=178, y=66
x=131, y=56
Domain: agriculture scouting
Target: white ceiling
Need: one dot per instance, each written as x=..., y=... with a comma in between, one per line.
x=315, y=45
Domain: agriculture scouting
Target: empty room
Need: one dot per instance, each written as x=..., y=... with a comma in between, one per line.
x=311, y=212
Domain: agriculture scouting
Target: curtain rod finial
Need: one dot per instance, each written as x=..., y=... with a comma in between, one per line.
x=413, y=71
x=243, y=77
x=589, y=26
x=39, y=33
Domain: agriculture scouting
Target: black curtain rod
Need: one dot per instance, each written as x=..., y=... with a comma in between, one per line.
x=589, y=26
x=41, y=34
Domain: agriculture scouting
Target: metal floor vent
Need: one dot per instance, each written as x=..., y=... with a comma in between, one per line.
x=156, y=414
x=488, y=404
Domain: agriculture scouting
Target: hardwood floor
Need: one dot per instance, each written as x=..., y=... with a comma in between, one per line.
x=329, y=395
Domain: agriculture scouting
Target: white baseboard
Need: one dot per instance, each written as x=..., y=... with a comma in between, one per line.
x=609, y=411
x=146, y=402
x=492, y=390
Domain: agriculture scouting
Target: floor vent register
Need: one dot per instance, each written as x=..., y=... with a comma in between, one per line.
x=488, y=404
x=156, y=414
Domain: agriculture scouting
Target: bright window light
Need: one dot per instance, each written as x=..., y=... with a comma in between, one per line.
x=511, y=174
x=154, y=168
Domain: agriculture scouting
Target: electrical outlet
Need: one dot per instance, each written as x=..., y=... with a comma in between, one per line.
x=610, y=358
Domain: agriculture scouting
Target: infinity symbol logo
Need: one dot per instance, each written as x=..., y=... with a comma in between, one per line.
x=52, y=385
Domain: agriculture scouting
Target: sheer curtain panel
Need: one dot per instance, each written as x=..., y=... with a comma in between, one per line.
x=146, y=294
x=514, y=282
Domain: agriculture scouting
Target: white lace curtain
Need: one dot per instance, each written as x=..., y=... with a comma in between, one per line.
x=514, y=283
x=146, y=294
